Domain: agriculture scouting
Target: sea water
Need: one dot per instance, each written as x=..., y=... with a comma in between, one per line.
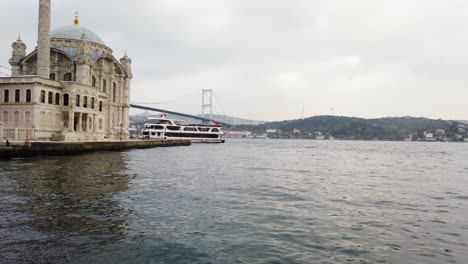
x=245, y=201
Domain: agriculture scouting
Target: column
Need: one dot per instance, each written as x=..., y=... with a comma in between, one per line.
x=121, y=88
x=80, y=121
x=94, y=123
x=109, y=119
x=71, y=120
x=1, y=131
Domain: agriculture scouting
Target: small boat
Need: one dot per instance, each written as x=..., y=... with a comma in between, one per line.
x=165, y=128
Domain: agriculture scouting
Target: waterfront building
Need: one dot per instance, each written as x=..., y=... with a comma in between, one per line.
x=273, y=132
x=70, y=87
x=237, y=134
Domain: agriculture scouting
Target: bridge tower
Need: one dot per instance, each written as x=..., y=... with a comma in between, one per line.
x=207, y=102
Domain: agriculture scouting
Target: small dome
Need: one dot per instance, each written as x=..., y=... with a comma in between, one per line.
x=75, y=32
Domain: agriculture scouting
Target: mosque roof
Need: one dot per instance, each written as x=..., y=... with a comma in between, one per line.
x=72, y=52
x=75, y=32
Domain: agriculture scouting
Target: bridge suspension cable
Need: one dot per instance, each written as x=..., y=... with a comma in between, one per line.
x=176, y=100
x=219, y=103
x=7, y=75
x=6, y=68
x=1, y=66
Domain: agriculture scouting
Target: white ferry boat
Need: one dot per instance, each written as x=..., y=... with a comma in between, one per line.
x=165, y=128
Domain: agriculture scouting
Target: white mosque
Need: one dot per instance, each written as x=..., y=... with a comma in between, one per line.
x=70, y=88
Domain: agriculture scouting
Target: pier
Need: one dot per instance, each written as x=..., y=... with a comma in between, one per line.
x=38, y=148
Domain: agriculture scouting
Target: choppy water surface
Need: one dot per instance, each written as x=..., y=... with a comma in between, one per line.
x=246, y=201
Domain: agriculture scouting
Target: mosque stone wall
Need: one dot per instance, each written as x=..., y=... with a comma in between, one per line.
x=85, y=95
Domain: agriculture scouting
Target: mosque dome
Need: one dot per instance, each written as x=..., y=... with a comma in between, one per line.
x=75, y=32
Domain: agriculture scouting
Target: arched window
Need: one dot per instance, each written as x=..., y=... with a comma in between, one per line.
x=16, y=118
x=5, y=117
x=42, y=119
x=100, y=106
x=52, y=76
x=50, y=119
x=93, y=81
x=57, y=99
x=104, y=86
x=85, y=101
x=78, y=100
x=57, y=120
x=50, y=97
x=65, y=100
x=92, y=102
x=114, y=92
x=43, y=96
x=27, y=119
x=6, y=96
x=67, y=77
x=28, y=95
x=17, y=95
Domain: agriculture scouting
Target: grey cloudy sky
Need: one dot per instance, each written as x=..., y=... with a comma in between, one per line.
x=265, y=59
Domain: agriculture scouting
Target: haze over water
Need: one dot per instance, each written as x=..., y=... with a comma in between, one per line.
x=246, y=201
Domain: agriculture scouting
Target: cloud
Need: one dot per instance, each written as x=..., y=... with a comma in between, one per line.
x=265, y=59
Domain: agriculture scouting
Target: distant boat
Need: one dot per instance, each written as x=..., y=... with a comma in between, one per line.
x=165, y=128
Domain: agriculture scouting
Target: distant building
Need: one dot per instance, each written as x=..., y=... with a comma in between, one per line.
x=429, y=136
x=319, y=135
x=273, y=133
x=439, y=132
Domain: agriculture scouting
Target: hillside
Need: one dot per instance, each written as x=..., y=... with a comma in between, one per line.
x=390, y=128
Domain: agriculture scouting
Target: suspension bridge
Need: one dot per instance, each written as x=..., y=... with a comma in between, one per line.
x=207, y=107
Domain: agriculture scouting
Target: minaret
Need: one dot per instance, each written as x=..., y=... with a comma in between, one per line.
x=127, y=65
x=18, y=53
x=43, y=40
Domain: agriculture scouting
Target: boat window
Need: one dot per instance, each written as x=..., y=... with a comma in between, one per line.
x=190, y=129
x=157, y=127
x=174, y=128
x=191, y=135
x=153, y=133
x=204, y=129
x=159, y=121
x=214, y=130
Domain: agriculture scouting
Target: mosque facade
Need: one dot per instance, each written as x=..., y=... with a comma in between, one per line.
x=70, y=88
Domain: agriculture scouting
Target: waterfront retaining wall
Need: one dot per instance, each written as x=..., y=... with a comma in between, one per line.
x=69, y=148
